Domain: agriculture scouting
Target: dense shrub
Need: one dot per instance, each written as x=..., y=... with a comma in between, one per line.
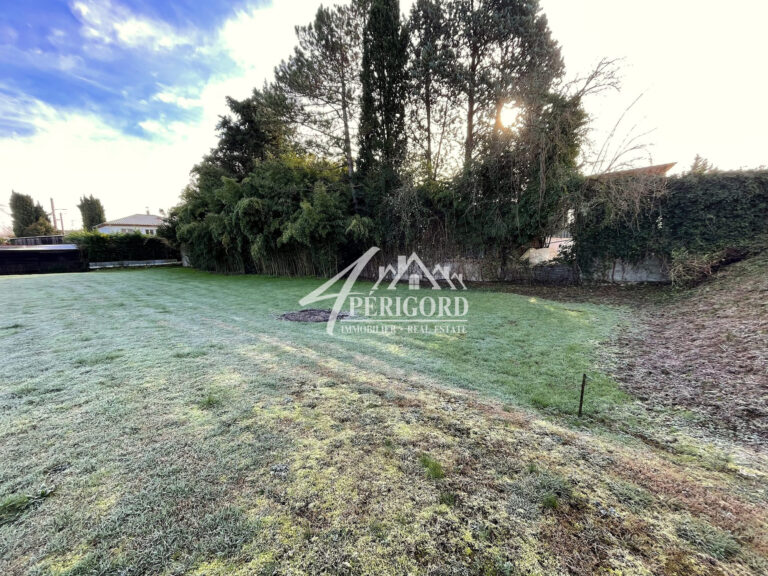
x=290, y=215
x=100, y=247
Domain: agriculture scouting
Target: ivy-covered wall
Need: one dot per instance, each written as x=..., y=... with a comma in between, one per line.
x=691, y=217
x=709, y=212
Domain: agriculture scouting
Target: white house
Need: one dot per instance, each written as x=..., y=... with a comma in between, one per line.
x=144, y=223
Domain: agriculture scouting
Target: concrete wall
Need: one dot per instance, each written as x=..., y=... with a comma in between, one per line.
x=132, y=264
x=476, y=270
x=652, y=269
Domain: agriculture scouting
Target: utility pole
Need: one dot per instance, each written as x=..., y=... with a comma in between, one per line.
x=61, y=219
x=53, y=217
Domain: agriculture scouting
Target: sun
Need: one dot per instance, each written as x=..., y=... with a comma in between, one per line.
x=510, y=114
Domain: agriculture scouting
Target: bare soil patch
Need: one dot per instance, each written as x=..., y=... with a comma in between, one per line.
x=633, y=295
x=311, y=315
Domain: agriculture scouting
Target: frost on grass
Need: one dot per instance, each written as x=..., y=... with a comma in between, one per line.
x=276, y=452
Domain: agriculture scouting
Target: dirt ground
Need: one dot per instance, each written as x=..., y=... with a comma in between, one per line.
x=708, y=351
x=704, y=349
x=310, y=315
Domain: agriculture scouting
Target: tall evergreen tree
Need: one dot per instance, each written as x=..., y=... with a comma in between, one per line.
x=29, y=219
x=91, y=211
x=382, y=138
x=255, y=128
x=701, y=165
x=323, y=77
x=505, y=53
x=433, y=94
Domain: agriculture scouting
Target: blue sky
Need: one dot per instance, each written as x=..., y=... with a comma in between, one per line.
x=116, y=59
x=120, y=98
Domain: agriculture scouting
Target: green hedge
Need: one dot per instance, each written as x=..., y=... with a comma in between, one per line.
x=696, y=214
x=709, y=212
x=100, y=247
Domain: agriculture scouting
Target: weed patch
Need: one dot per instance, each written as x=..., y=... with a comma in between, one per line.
x=550, y=502
x=448, y=498
x=632, y=496
x=189, y=353
x=210, y=401
x=433, y=468
x=709, y=539
x=12, y=506
x=535, y=490
x=97, y=359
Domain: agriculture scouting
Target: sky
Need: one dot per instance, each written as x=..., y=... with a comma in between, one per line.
x=120, y=98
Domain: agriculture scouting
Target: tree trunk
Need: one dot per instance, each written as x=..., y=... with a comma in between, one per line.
x=428, y=107
x=348, y=142
x=471, y=88
x=470, y=141
x=345, y=119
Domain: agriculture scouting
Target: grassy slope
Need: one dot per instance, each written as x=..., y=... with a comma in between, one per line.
x=187, y=430
x=706, y=349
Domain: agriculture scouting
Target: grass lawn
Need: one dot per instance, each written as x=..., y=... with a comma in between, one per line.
x=166, y=422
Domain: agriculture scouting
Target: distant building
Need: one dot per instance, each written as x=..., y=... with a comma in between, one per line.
x=144, y=223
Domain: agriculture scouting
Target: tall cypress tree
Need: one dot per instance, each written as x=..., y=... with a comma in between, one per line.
x=382, y=139
x=91, y=211
x=29, y=219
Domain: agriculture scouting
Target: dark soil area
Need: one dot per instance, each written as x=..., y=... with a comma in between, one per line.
x=311, y=315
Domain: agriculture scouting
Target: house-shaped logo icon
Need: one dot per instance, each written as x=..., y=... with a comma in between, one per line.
x=418, y=272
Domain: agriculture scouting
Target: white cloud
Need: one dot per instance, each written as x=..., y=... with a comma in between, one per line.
x=77, y=154
x=111, y=23
x=170, y=97
x=8, y=35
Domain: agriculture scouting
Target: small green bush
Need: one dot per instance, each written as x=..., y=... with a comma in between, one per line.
x=12, y=506
x=550, y=502
x=448, y=499
x=210, y=401
x=433, y=467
